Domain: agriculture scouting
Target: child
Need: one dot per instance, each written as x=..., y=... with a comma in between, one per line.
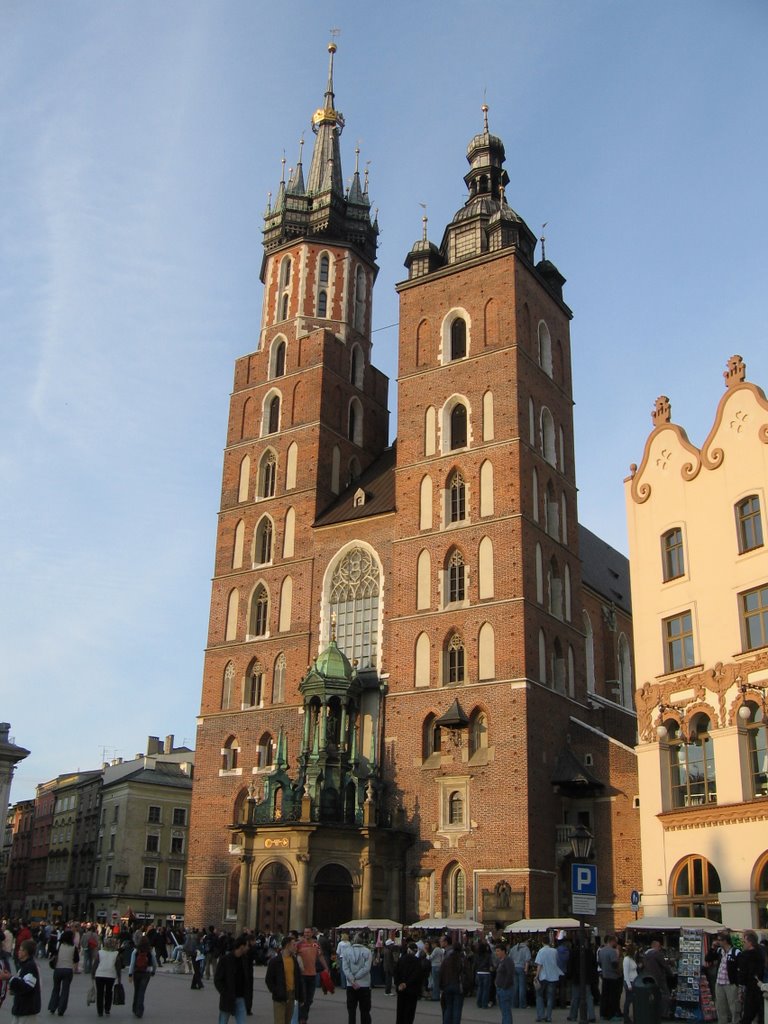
x=26, y=986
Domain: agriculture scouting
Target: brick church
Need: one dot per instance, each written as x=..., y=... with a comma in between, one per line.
x=418, y=676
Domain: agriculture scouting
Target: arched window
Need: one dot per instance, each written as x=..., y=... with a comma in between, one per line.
x=555, y=590
x=535, y=495
x=696, y=889
x=265, y=751
x=567, y=592
x=545, y=348
x=455, y=809
x=237, y=547
x=691, y=763
x=285, y=283
x=457, y=590
x=531, y=423
x=230, y=754
x=246, y=424
x=262, y=545
x=355, y=430
x=478, y=732
x=360, y=300
x=458, y=338
x=488, y=429
x=245, y=473
x=233, y=607
x=430, y=737
x=356, y=366
x=758, y=747
x=277, y=362
x=672, y=556
x=322, y=303
x=325, y=265
x=355, y=587
x=258, y=618
x=423, y=580
x=458, y=426
x=486, y=652
x=278, y=680
x=454, y=890
x=286, y=605
x=253, y=694
x=291, y=466
x=422, y=666
x=485, y=569
x=551, y=512
x=272, y=418
x=561, y=449
x=455, y=660
x=548, y=449
x=425, y=504
x=267, y=474
x=486, y=488
x=589, y=644
x=457, y=498
x=430, y=430
x=564, y=518
x=226, y=689
x=749, y=524
x=289, y=533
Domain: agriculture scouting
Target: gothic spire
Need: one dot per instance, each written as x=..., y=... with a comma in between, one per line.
x=327, y=124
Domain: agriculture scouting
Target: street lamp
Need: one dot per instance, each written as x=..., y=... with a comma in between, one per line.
x=581, y=847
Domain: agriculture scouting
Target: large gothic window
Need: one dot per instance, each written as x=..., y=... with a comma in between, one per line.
x=455, y=660
x=267, y=475
x=278, y=680
x=459, y=426
x=354, y=600
x=258, y=620
x=458, y=338
x=457, y=589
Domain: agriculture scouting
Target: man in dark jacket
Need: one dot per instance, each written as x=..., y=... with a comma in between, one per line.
x=409, y=980
x=284, y=981
x=231, y=982
x=26, y=984
x=751, y=969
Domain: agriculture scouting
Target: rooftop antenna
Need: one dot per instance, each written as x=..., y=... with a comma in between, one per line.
x=424, y=219
x=543, y=240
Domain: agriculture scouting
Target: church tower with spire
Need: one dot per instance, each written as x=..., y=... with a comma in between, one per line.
x=411, y=694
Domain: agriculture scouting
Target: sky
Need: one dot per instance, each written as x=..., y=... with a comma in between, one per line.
x=139, y=142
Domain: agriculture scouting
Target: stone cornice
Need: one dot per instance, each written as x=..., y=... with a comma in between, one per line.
x=711, y=815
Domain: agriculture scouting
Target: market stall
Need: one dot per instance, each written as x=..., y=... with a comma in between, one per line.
x=686, y=942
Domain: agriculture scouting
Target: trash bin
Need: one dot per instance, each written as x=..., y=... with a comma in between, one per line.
x=646, y=1000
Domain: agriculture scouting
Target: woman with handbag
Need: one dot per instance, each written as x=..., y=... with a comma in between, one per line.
x=107, y=964
x=63, y=964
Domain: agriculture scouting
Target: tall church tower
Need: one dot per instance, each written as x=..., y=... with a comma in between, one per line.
x=308, y=415
x=485, y=636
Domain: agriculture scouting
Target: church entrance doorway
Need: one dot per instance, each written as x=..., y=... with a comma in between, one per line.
x=332, y=897
x=273, y=901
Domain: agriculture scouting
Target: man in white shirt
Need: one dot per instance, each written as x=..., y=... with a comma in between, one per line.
x=548, y=974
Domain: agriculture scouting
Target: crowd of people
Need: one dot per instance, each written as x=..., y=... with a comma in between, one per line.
x=408, y=965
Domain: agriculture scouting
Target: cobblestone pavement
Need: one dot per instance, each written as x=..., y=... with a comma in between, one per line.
x=169, y=999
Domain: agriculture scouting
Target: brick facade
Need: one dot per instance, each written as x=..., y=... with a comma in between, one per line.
x=494, y=803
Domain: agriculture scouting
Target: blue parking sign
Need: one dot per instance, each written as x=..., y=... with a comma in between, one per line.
x=584, y=879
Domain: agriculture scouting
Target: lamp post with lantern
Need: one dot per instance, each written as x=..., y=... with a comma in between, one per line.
x=581, y=846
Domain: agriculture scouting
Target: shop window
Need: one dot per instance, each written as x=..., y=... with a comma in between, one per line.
x=696, y=889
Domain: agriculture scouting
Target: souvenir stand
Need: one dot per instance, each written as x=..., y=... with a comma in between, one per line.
x=686, y=939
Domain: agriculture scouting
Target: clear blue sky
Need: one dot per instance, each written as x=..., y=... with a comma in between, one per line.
x=139, y=141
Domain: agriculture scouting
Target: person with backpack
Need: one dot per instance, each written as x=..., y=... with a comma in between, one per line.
x=143, y=965
x=25, y=985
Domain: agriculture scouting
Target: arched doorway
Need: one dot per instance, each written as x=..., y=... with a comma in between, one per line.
x=273, y=899
x=332, y=896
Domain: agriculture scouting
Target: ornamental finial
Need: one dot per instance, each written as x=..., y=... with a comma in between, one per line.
x=662, y=411
x=736, y=371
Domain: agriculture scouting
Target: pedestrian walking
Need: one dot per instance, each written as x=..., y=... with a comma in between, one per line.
x=230, y=982
x=357, y=968
x=284, y=981
x=547, y=977
x=67, y=956
x=505, y=983
x=142, y=966
x=310, y=954
x=106, y=965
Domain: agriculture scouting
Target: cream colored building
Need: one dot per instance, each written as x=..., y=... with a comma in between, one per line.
x=699, y=565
